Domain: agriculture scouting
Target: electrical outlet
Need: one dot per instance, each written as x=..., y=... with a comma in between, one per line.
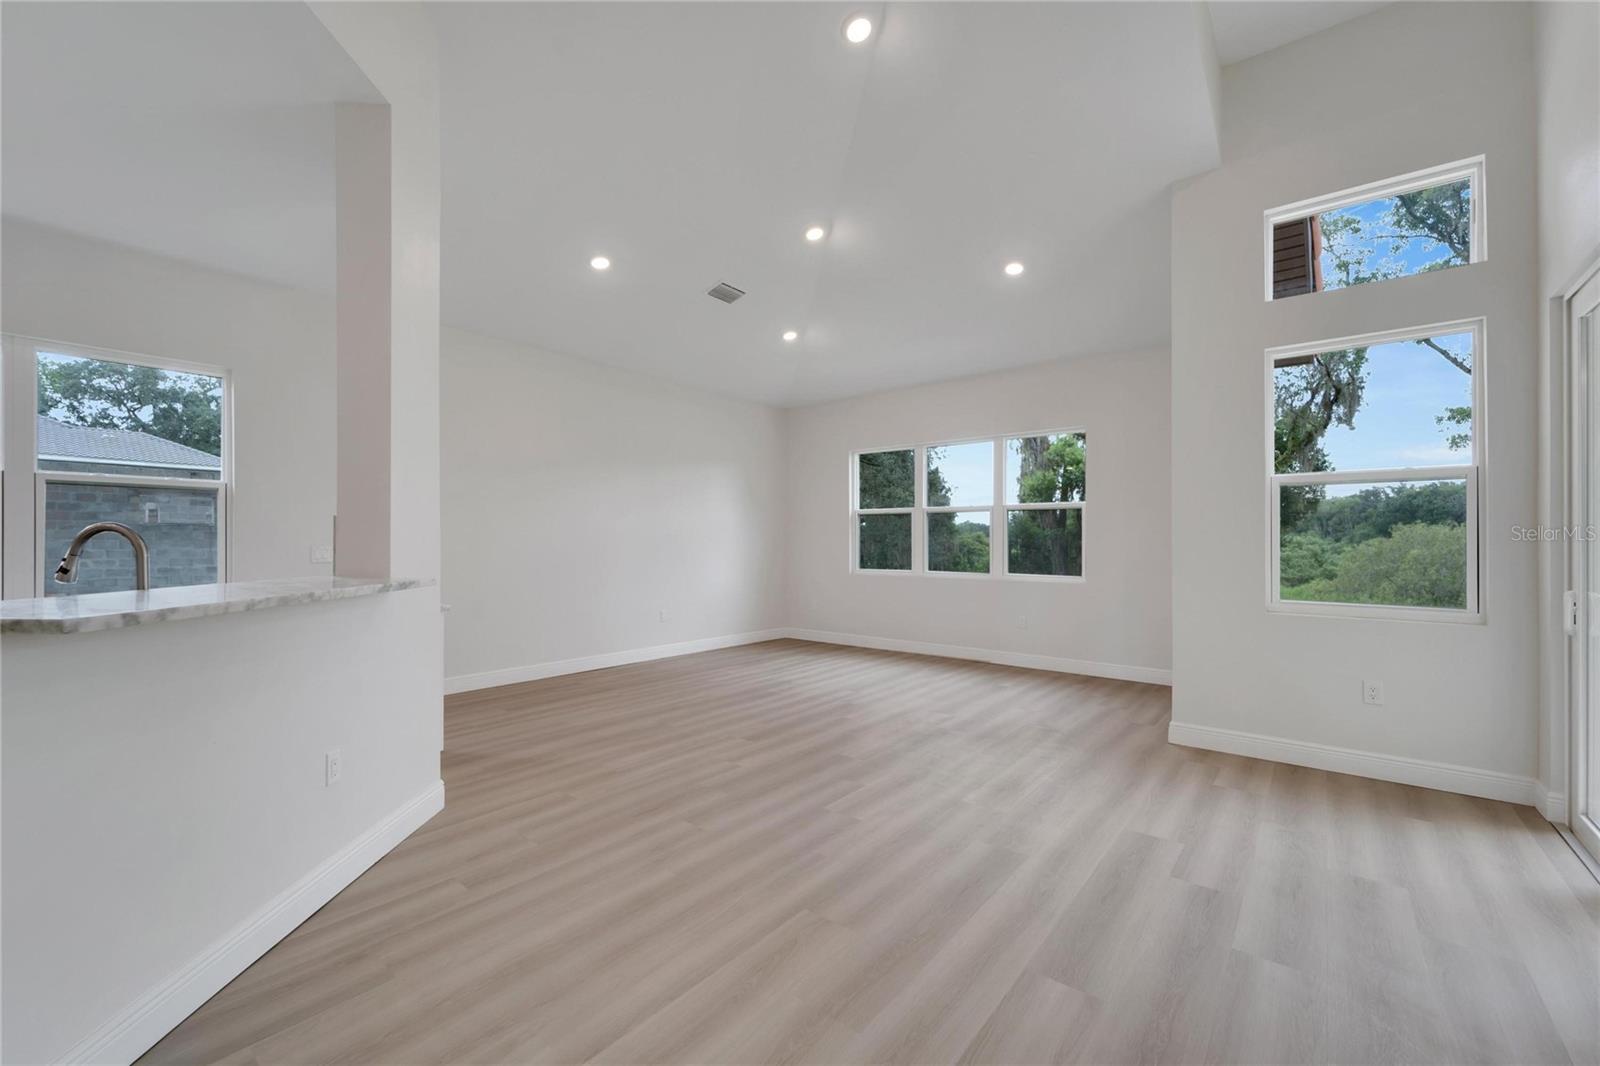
x=1022, y=621
x=661, y=616
x=1372, y=693
x=322, y=553
x=333, y=766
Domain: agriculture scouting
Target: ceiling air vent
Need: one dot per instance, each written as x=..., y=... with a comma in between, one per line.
x=724, y=292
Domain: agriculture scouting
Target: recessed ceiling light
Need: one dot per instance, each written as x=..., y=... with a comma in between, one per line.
x=600, y=262
x=1014, y=268
x=858, y=29
x=816, y=233
x=790, y=335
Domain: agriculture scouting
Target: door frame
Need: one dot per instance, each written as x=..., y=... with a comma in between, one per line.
x=1581, y=364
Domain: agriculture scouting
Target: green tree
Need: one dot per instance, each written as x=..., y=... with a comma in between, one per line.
x=957, y=543
x=1307, y=557
x=1416, y=565
x=886, y=479
x=1356, y=249
x=1051, y=470
x=185, y=408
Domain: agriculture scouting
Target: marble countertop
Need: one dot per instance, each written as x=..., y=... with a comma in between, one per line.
x=116, y=610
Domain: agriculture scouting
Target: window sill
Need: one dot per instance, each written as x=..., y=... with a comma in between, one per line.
x=117, y=610
x=1446, y=615
x=1055, y=579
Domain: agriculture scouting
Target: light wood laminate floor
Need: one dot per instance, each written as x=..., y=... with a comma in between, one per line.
x=791, y=852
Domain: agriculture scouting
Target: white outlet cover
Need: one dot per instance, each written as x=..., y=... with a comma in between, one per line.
x=1372, y=693
x=333, y=767
x=322, y=553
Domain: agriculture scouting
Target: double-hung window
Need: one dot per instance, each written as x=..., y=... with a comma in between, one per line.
x=1007, y=506
x=1374, y=448
x=886, y=497
x=1045, y=490
x=97, y=436
x=960, y=506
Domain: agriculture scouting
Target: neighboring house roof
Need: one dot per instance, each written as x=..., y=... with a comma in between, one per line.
x=128, y=447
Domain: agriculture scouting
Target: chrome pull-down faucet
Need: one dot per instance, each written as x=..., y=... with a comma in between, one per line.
x=67, y=572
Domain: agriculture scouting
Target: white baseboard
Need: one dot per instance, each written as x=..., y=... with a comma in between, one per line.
x=134, y=1030
x=1553, y=805
x=1148, y=674
x=515, y=675
x=1446, y=777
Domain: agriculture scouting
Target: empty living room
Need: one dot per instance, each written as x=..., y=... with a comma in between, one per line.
x=795, y=532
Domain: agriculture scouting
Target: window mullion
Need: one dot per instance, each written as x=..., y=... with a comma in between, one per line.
x=919, y=517
x=997, y=512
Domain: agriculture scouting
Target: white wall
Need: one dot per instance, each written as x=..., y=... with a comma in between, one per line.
x=1297, y=125
x=278, y=342
x=165, y=817
x=1567, y=36
x=1117, y=621
x=581, y=501
x=163, y=787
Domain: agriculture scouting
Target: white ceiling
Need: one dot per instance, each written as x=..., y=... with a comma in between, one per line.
x=199, y=131
x=693, y=144
x=1245, y=28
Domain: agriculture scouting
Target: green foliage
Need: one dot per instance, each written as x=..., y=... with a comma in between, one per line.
x=1309, y=396
x=1375, y=511
x=885, y=542
x=185, y=408
x=1045, y=542
x=1460, y=417
x=1307, y=557
x=888, y=479
x=1402, y=545
x=1328, y=389
x=1051, y=470
x=957, y=544
x=938, y=486
x=1416, y=565
x=1356, y=251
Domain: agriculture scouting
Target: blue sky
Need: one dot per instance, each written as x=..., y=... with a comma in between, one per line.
x=1408, y=386
x=1412, y=257
x=969, y=471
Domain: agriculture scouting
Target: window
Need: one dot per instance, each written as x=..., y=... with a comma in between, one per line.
x=886, y=492
x=1002, y=507
x=1044, y=504
x=1374, y=473
x=1427, y=221
x=960, y=500
x=115, y=438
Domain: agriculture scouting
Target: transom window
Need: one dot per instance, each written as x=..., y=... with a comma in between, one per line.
x=1374, y=473
x=999, y=507
x=113, y=437
x=1422, y=222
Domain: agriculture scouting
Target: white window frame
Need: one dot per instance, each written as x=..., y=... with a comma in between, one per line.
x=999, y=550
x=857, y=511
x=1004, y=523
x=1467, y=472
x=1471, y=169
x=22, y=493
x=996, y=537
